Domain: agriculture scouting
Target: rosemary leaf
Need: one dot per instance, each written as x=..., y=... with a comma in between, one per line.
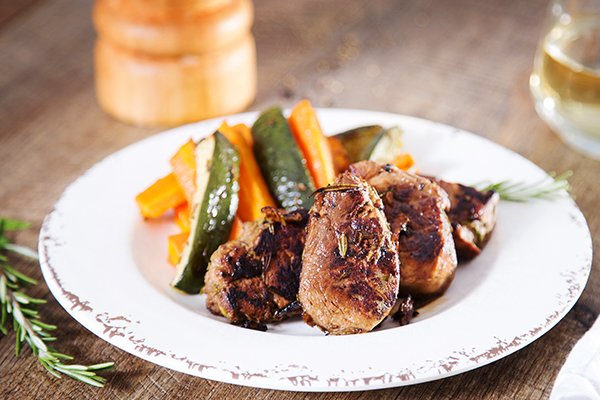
x=30, y=312
x=49, y=369
x=21, y=250
x=43, y=325
x=3, y=315
x=74, y=367
x=18, y=275
x=339, y=187
x=342, y=244
x=11, y=225
x=101, y=367
x=18, y=342
x=63, y=356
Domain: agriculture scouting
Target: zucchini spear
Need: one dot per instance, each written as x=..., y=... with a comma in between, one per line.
x=213, y=208
x=280, y=160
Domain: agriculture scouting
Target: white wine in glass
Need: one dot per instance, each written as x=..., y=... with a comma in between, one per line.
x=565, y=82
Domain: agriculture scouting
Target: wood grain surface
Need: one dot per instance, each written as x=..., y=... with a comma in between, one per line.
x=464, y=63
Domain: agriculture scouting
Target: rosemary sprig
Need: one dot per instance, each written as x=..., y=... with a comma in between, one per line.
x=339, y=187
x=26, y=322
x=547, y=188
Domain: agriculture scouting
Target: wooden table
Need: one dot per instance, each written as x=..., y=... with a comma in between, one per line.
x=464, y=63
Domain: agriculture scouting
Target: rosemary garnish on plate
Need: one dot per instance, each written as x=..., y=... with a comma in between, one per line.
x=26, y=322
x=547, y=188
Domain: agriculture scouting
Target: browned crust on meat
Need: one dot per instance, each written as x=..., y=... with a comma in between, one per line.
x=349, y=279
x=253, y=278
x=473, y=217
x=416, y=209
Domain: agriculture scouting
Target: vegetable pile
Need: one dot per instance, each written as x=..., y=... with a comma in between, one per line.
x=226, y=179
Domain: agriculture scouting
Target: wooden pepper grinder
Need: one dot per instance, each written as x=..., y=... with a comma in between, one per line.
x=168, y=62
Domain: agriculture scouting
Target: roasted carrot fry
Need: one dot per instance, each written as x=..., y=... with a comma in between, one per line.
x=182, y=217
x=161, y=196
x=254, y=193
x=184, y=169
x=245, y=131
x=313, y=144
x=236, y=228
x=341, y=159
x=176, y=244
x=404, y=161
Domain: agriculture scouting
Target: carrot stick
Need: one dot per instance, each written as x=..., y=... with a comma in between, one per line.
x=243, y=130
x=313, y=143
x=254, y=193
x=184, y=169
x=341, y=159
x=236, y=228
x=404, y=161
x=161, y=196
x=182, y=217
x=176, y=244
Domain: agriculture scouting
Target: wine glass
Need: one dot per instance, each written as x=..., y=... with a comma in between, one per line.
x=565, y=82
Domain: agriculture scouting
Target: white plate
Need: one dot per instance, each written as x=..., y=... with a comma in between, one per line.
x=108, y=269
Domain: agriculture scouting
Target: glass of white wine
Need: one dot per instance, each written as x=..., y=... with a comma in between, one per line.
x=565, y=82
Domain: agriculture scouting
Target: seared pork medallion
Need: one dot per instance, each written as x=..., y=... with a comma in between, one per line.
x=254, y=280
x=416, y=209
x=350, y=270
x=473, y=217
